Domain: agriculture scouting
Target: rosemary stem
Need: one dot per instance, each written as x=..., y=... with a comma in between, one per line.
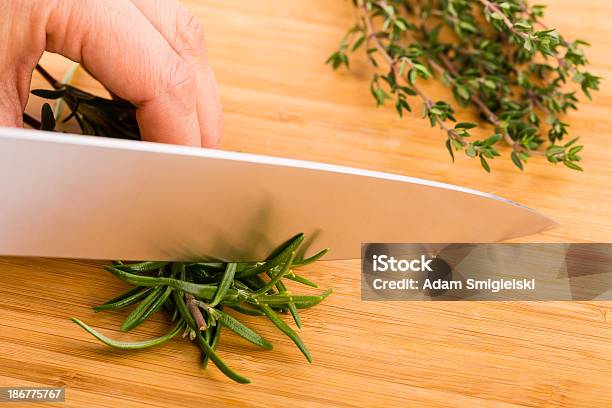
x=30, y=121
x=195, y=311
x=48, y=77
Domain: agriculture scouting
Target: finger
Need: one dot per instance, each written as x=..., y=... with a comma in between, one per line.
x=16, y=64
x=10, y=104
x=121, y=48
x=185, y=35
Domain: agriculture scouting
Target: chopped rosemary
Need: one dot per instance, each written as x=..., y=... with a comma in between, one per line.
x=196, y=301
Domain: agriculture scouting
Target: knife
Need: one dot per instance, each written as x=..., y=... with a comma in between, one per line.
x=76, y=196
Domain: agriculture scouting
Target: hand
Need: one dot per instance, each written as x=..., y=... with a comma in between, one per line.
x=149, y=52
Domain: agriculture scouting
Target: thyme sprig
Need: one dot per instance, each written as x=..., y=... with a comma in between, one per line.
x=497, y=56
x=196, y=295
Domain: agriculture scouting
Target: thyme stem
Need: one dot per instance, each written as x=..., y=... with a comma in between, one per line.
x=371, y=35
x=482, y=107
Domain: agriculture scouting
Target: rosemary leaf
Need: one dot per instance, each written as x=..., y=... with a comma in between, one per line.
x=47, y=119
x=228, y=279
x=301, y=279
x=240, y=329
x=130, y=346
x=275, y=260
x=197, y=290
x=278, y=322
x=306, y=304
x=291, y=306
x=302, y=262
x=254, y=283
x=127, y=299
x=277, y=276
x=126, y=294
x=207, y=349
x=213, y=344
x=247, y=311
x=142, y=266
x=155, y=306
x=183, y=310
x=283, y=299
x=137, y=316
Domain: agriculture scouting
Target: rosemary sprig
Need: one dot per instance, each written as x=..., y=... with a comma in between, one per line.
x=196, y=301
x=501, y=60
x=96, y=116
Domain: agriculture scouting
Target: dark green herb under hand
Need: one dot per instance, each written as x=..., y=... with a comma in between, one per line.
x=197, y=297
x=96, y=116
x=497, y=56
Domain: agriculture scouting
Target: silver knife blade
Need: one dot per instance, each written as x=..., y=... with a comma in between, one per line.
x=98, y=198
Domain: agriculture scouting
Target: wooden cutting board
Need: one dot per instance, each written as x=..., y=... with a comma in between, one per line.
x=280, y=99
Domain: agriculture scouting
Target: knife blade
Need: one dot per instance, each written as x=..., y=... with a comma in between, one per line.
x=87, y=197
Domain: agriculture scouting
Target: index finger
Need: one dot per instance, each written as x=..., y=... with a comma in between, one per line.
x=121, y=48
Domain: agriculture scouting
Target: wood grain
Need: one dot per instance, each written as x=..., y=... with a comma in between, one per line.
x=280, y=99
